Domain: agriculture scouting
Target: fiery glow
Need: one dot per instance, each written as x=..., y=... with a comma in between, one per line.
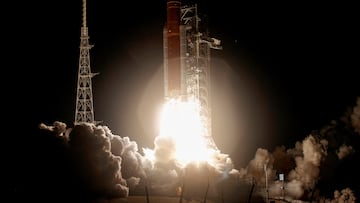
x=182, y=122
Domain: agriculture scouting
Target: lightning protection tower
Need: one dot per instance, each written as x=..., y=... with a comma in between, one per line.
x=84, y=112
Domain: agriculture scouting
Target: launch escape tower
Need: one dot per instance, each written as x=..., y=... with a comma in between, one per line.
x=84, y=112
x=193, y=57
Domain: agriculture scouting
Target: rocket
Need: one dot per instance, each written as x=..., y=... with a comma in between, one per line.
x=172, y=55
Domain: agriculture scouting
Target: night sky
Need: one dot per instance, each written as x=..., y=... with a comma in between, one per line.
x=286, y=70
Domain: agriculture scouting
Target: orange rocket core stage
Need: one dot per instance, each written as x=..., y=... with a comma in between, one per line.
x=173, y=47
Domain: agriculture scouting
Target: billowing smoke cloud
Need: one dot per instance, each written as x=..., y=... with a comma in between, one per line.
x=299, y=172
x=345, y=195
x=112, y=166
x=100, y=156
x=168, y=176
x=257, y=166
x=58, y=128
x=307, y=171
x=305, y=159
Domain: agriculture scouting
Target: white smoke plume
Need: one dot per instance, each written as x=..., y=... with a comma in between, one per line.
x=111, y=165
x=92, y=148
x=302, y=165
x=256, y=167
x=100, y=156
x=344, y=196
x=167, y=176
x=307, y=167
x=59, y=128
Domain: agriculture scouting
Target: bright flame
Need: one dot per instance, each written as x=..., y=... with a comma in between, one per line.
x=182, y=122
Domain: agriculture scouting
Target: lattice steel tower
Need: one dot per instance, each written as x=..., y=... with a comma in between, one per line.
x=84, y=98
x=195, y=59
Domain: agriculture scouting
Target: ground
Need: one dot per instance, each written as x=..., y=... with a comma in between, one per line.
x=152, y=199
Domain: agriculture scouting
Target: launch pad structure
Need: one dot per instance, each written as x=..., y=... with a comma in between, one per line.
x=187, y=46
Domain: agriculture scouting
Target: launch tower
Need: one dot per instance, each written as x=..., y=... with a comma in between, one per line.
x=187, y=48
x=196, y=45
x=84, y=98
